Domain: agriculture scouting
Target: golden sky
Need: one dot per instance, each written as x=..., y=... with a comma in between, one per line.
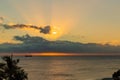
x=86, y=21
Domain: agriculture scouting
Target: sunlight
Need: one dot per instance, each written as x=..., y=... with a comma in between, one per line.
x=54, y=32
x=51, y=54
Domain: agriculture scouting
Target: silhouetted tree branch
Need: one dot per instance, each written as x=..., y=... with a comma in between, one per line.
x=116, y=75
x=9, y=70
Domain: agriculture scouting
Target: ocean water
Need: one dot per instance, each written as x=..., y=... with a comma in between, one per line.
x=70, y=68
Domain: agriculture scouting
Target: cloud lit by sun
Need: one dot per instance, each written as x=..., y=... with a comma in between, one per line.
x=55, y=33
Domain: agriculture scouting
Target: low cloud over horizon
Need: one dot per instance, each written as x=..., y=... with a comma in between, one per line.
x=34, y=44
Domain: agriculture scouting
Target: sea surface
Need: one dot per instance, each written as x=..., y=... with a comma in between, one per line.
x=70, y=68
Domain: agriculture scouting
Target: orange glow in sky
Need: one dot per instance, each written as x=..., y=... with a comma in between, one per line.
x=52, y=54
x=112, y=42
x=55, y=33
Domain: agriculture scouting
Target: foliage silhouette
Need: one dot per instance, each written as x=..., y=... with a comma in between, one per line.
x=116, y=75
x=9, y=69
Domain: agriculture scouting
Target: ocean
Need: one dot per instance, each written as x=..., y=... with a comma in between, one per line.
x=70, y=68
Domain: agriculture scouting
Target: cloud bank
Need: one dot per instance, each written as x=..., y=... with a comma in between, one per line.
x=37, y=44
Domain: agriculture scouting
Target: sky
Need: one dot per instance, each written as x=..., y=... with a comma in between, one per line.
x=86, y=21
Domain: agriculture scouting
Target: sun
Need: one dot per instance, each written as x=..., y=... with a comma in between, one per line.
x=54, y=32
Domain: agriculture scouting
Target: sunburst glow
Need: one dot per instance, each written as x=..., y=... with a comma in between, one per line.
x=45, y=16
x=54, y=32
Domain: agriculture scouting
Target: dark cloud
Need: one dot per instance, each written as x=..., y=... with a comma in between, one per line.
x=28, y=39
x=45, y=29
x=38, y=44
